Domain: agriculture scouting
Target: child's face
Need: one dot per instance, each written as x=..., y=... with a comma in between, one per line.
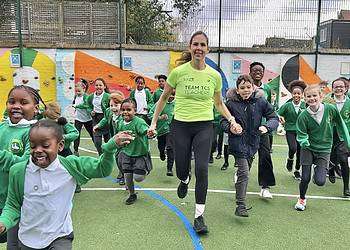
x=339, y=88
x=115, y=107
x=21, y=105
x=257, y=73
x=99, y=87
x=161, y=82
x=140, y=84
x=128, y=111
x=297, y=93
x=245, y=90
x=313, y=98
x=43, y=146
x=79, y=89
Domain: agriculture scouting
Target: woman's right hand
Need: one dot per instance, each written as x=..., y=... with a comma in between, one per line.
x=151, y=132
x=2, y=228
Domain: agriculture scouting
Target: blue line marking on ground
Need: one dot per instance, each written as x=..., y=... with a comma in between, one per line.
x=194, y=236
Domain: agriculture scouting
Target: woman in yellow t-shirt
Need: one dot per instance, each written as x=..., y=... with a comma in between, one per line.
x=198, y=87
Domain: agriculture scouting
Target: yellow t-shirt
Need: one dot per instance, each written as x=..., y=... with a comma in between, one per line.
x=194, y=92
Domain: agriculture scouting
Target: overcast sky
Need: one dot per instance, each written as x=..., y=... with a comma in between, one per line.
x=248, y=22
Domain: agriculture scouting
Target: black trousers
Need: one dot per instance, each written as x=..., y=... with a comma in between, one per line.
x=99, y=133
x=339, y=155
x=3, y=237
x=218, y=137
x=166, y=142
x=293, y=147
x=78, y=125
x=199, y=136
x=266, y=177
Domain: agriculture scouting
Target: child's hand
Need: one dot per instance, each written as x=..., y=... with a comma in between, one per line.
x=235, y=128
x=151, y=132
x=263, y=129
x=282, y=121
x=2, y=228
x=123, y=138
x=163, y=117
x=95, y=128
x=92, y=113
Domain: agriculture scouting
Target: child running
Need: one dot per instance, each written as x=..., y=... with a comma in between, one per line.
x=289, y=113
x=111, y=119
x=315, y=135
x=134, y=158
x=164, y=136
x=340, y=153
x=22, y=107
x=249, y=110
x=42, y=187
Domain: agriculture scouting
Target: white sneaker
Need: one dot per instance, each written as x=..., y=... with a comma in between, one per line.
x=265, y=193
x=301, y=205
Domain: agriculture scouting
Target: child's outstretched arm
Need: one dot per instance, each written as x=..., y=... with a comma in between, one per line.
x=271, y=117
x=302, y=136
x=7, y=159
x=70, y=132
x=91, y=167
x=12, y=210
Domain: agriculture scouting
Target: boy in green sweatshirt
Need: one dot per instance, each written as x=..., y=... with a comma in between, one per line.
x=41, y=188
x=315, y=135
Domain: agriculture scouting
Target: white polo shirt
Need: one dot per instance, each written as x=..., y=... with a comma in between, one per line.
x=47, y=205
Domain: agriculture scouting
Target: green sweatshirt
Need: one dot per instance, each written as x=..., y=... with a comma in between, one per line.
x=149, y=98
x=14, y=139
x=82, y=169
x=344, y=112
x=157, y=94
x=85, y=105
x=70, y=134
x=287, y=111
x=111, y=120
x=139, y=146
x=163, y=126
x=319, y=137
x=104, y=102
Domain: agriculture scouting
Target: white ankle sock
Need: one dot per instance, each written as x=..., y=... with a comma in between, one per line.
x=187, y=180
x=199, y=210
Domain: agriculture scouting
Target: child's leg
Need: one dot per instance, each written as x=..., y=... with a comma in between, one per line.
x=242, y=180
x=139, y=175
x=306, y=159
x=266, y=177
x=320, y=171
x=220, y=142
x=297, y=163
x=78, y=125
x=120, y=169
x=88, y=126
x=342, y=156
x=292, y=148
x=226, y=155
x=161, y=146
x=129, y=181
x=12, y=238
x=170, y=152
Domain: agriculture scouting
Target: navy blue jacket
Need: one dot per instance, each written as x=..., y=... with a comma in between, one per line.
x=249, y=114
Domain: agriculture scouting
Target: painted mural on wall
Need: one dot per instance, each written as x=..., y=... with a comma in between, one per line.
x=38, y=71
x=75, y=65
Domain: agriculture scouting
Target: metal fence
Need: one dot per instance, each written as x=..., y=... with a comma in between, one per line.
x=228, y=23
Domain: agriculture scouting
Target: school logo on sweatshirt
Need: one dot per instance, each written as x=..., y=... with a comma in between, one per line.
x=16, y=146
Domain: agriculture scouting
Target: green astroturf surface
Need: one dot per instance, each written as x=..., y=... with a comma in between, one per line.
x=102, y=221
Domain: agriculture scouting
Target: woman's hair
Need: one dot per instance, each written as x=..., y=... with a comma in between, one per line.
x=129, y=100
x=296, y=84
x=52, y=111
x=199, y=33
x=117, y=96
x=104, y=83
x=185, y=57
x=33, y=92
x=244, y=78
x=49, y=124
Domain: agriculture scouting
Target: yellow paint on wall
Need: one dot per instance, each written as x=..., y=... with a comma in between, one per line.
x=173, y=57
x=6, y=79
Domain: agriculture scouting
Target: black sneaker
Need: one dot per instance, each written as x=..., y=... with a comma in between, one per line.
x=162, y=156
x=289, y=165
x=218, y=156
x=224, y=166
x=121, y=182
x=131, y=200
x=211, y=159
x=169, y=173
x=331, y=178
x=182, y=190
x=346, y=193
x=199, y=225
x=241, y=211
x=297, y=175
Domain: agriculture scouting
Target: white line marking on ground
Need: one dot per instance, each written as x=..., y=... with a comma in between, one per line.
x=220, y=191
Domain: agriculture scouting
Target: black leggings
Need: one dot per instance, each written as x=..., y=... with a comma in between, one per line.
x=78, y=125
x=266, y=176
x=199, y=136
x=293, y=147
x=99, y=133
x=339, y=155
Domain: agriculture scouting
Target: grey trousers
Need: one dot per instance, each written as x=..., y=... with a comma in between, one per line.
x=12, y=238
x=243, y=167
x=62, y=243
